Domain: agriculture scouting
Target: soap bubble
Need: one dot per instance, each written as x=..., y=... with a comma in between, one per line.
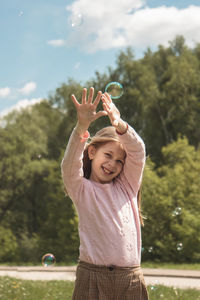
x=21, y=13
x=179, y=246
x=153, y=287
x=48, y=260
x=177, y=211
x=150, y=249
x=75, y=20
x=114, y=89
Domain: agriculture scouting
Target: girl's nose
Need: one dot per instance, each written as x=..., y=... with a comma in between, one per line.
x=112, y=163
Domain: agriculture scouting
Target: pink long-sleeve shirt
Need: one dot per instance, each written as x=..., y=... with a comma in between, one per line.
x=109, y=225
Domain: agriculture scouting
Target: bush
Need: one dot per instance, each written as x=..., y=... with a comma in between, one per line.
x=8, y=245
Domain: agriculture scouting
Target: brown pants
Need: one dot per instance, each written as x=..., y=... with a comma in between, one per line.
x=109, y=283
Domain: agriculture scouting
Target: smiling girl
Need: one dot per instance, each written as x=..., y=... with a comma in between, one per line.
x=103, y=179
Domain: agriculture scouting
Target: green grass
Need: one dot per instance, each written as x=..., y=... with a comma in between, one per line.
x=39, y=264
x=16, y=289
x=159, y=292
x=183, y=266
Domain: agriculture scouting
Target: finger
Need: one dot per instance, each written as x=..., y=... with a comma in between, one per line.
x=108, y=97
x=98, y=98
x=113, y=118
x=105, y=100
x=110, y=105
x=106, y=107
x=91, y=94
x=84, y=95
x=100, y=114
x=76, y=103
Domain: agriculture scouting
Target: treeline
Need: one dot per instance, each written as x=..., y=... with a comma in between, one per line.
x=162, y=102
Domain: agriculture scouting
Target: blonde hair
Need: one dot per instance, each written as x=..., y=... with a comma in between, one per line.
x=103, y=136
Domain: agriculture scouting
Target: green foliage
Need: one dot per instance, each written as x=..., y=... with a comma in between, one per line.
x=174, y=185
x=32, y=200
x=59, y=234
x=161, y=96
x=28, y=248
x=8, y=244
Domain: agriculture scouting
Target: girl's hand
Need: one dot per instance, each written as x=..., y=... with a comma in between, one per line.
x=111, y=109
x=86, y=111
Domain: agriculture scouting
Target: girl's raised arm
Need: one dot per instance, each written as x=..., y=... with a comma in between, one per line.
x=113, y=114
x=71, y=166
x=133, y=145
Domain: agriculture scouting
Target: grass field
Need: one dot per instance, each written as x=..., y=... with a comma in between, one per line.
x=16, y=289
x=183, y=266
x=171, y=266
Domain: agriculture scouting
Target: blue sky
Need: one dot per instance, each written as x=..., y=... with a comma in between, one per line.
x=41, y=47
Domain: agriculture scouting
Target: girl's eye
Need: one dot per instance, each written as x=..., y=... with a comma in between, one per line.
x=108, y=154
x=121, y=162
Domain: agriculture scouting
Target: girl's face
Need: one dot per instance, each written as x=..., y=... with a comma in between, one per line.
x=107, y=161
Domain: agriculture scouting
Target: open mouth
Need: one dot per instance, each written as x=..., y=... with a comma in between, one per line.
x=106, y=171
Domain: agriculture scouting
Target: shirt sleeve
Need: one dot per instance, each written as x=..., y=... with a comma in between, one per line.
x=135, y=158
x=72, y=165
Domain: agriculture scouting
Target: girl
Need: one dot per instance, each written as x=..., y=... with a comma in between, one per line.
x=103, y=179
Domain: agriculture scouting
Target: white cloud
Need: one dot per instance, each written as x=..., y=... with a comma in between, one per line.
x=24, y=103
x=4, y=92
x=77, y=65
x=28, y=88
x=116, y=23
x=56, y=43
x=102, y=9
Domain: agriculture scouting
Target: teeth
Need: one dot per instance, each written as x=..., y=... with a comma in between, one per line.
x=106, y=171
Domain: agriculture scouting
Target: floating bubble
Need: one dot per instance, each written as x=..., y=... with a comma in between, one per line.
x=48, y=260
x=75, y=20
x=177, y=211
x=179, y=246
x=114, y=89
x=21, y=13
x=153, y=287
x=150, y=249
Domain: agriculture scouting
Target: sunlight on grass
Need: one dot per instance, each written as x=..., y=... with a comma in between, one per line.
x=171, y=266
x=16, y=289
x=157, y=292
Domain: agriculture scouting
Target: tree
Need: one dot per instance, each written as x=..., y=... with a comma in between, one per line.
x=30, y=175
x=161, y=94
x=172, y=203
